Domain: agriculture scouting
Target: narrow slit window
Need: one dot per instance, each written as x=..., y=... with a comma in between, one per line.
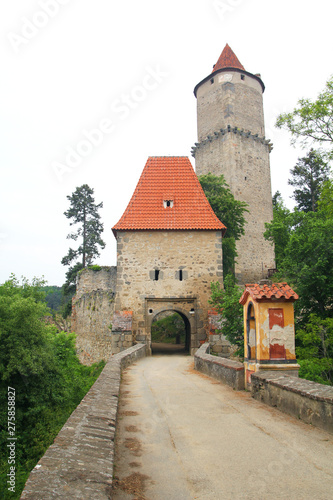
x=180, y=275
x=157, y=273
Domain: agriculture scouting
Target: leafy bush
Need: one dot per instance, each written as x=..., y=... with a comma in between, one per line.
x=226, y=302
x=315, y=350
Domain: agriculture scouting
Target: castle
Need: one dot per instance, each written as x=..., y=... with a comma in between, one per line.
x=169, y=241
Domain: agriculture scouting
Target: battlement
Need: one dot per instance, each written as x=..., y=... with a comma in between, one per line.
x=96, y=278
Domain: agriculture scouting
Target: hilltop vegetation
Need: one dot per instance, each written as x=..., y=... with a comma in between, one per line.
x=40, y=364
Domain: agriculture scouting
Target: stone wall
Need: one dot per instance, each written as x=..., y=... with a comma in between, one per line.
x=308, y=401
x=79, y=464
x=88, y=280
x=229, y=99
x=218, y=343
x=231, y=141
x=225, y=370
x=244, y=162
x=122, y=336
x=92, y=313
x=148, y=278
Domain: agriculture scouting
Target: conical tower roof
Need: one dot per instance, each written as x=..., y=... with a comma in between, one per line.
x=228, y=59
x=168, y=196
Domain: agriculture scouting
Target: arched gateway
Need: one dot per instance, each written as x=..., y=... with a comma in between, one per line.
x=169, y=250
x=186, y=308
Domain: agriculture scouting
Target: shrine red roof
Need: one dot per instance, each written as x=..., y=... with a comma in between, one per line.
x=228, y=59
x=261, y=293
x=168, y=196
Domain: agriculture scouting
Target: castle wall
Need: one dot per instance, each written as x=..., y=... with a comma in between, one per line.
x=197, y=254
x=92, y=313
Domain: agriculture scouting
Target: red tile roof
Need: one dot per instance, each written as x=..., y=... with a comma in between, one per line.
x=227, y=60
x=168, y=178
x=262, y=293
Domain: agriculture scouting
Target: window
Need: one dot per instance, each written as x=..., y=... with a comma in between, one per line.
x=157, y=273
x=168, y=203
x=242, y=77
x=181, y=274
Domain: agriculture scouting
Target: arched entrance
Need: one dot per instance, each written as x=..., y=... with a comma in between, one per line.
x=251, y=333
x=170, y=333
x=186, y=311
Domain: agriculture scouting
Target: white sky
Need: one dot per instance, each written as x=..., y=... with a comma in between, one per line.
x=75, y=71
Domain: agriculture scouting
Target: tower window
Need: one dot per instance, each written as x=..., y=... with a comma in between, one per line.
x=157, y=274
x=242, y=77
x=212, y=81
x=168, y=203
x=181, y=275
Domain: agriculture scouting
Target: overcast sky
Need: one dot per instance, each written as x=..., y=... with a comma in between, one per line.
x=69, y=67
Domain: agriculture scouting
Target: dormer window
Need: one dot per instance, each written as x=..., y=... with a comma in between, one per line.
x=168, y=203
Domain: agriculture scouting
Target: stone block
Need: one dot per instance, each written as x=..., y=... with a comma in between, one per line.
x=216, y=348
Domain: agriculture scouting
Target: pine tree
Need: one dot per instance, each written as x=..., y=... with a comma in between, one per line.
x=308, y=177
x=84, y=212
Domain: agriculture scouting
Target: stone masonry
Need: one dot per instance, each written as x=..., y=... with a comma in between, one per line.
x=197, y=253
x=92, y=313
x=231, y=141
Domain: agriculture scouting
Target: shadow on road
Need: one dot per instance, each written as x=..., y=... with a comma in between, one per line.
x=161, y=348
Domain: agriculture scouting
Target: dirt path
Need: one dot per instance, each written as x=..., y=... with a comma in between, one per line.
x=182, y=435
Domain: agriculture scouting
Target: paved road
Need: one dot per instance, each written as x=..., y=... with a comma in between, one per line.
x=185, y=436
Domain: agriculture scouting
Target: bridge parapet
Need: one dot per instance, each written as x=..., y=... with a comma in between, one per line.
x=225, y=370
x=79, y=464
x=306, y=400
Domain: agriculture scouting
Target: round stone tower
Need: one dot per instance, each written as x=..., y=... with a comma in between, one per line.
x=231, y=141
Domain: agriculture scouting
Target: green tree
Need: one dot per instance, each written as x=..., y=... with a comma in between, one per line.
x=308, y=177
x=325, y=202
x=229, y=211
x=226, y=302
x=315, y=350
x=53, y=297
x=304, y=249
x=279, y=230
x=69, y=288
x=308, y=264
x=311, y=121
x=84, y=212
x=42, y=366
x=170, y=329
x=277, y=199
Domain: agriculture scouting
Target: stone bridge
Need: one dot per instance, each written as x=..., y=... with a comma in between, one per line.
x=180, y=434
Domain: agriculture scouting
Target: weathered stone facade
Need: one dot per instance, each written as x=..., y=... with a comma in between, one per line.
x=169, y=241
x=92, y=313
x=231, y=141
x=198, y=254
